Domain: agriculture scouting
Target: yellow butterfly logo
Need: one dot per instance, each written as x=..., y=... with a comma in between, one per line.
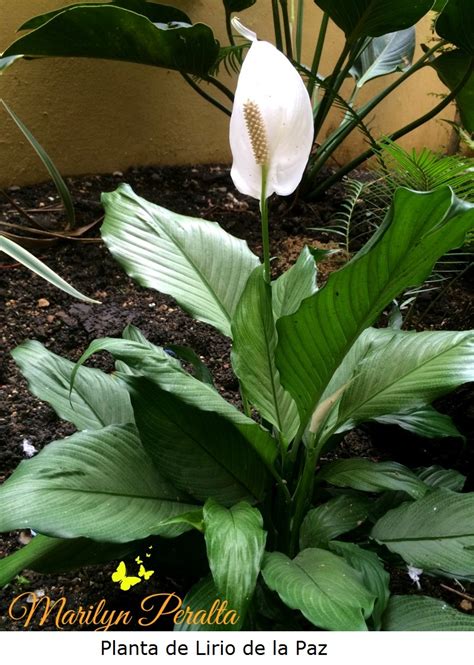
x=146, y=574
x=121, y=576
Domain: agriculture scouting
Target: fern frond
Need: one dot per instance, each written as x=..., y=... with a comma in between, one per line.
x=425, y=170
x=341, y=223
x=231, y=57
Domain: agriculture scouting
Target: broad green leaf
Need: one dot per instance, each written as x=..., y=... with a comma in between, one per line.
x=61, y=187
x=374, y=577
x=435, y=533
x=372, y=18
x=45, y=555
x=100, y=485
x=436, y=476
x=331, y=519
x=203, y=597
x=408, y=371
x=156, y=13
x=253, y=356
x=456, y=24
x=7, y=62
x=360, y=375
x=367, y=476
x=204, y=268
x=384, y=55
x=113, y=33
x=327, y=591
x=296, y=284
x=425, y=421
x=424, y=613
x=312, y=343
x=237, y=5
x=201, y=452
x=366, y=344
x=96, y=400
x=39, y=268
x=451, y=68
x=153, y=362
x=235, y=542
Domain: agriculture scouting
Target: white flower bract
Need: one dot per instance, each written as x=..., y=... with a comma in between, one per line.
x=271, y=86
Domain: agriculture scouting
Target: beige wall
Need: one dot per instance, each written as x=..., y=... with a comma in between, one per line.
x=100, y=116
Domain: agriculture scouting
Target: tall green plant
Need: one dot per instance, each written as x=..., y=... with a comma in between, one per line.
x=379, y=40
x=162, y=453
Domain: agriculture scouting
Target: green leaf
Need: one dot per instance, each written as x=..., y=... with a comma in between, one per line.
x=456, y=24
x=372, y=18
x=188, y=355
x=296, y=284
x=425, y=421
x=367, y=476
x=436, y=476
x=232, y=6
x=61, y=187
x=113, y=33
x=156, y=13
x=98, y=485
x=384, y=55
x=331, y=519
x=374, y=577
x=45, y=555
x=424, y=613
x=49, y=378
x=204, y=268
x=202, y=453
x=322, y=586
x=312, y=343
x=201, y=598
x=407, y=371
x=451, y=68
x=435, y=533
x=7, y=62
x=167, y=373
x=235, y=542
x=39, y=268
x=253, y=356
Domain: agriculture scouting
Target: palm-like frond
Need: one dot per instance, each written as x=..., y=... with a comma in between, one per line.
x=346, y=221
x=423, y=171
x=231, y=58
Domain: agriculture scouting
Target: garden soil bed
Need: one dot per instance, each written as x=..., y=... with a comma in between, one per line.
x=32, y=309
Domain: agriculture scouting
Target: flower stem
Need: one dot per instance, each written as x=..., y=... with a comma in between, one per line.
x=264, y=220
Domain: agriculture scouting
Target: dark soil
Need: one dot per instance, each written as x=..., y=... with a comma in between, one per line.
x=35, y=310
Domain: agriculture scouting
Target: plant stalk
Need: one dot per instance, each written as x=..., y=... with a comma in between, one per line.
x=277, y=25
x=205, y=95
x=228, y=27
x=287, y=28
x=318, y=53
x=299, y=29
x=302, y=498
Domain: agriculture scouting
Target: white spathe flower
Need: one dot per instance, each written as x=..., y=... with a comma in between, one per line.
x=272, y=122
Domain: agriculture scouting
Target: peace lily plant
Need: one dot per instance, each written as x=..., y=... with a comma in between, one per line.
x=247, y=492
